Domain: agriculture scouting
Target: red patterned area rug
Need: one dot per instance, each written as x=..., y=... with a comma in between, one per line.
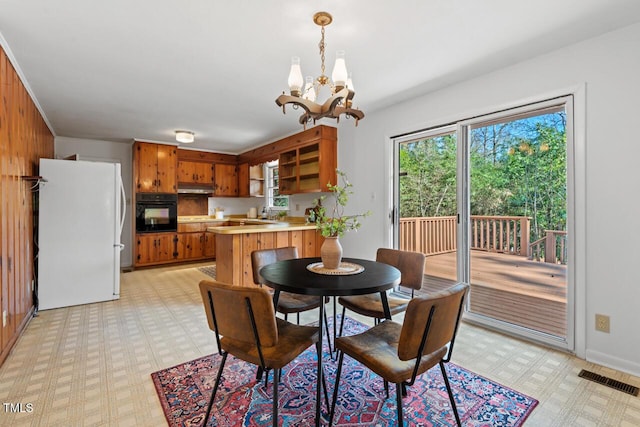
x=184, y=391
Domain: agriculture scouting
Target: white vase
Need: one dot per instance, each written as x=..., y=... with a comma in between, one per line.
x=331, y=252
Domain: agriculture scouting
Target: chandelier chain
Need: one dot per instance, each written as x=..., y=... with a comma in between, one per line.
x=321, y=45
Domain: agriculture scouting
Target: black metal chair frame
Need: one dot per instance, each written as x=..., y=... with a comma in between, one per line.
x=400, y=387
x=263, y=367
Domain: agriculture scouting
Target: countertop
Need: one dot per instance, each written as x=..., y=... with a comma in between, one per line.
x=238, y=224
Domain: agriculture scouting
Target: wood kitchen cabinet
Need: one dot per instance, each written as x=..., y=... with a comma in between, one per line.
x=256, y=180
x=225, y=180
x=209, y=244
x=308, y=168
x=190, y=246
x=194, y=242
x=243, y=180
x=155, y=248
x=251, y=180
x=195, y=173
x=154, y=168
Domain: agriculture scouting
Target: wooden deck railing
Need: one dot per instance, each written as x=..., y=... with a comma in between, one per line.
x=436, y=235
x=550, y=248
x=429, y=235
x=502, y=234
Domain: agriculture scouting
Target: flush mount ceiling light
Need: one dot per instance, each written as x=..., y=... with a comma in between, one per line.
x=185, y=136
x=303, y=95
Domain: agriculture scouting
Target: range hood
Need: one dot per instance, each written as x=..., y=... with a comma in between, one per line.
x=194, y=189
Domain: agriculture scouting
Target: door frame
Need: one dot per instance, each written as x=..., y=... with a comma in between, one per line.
x=574, y=99
x=464, y=256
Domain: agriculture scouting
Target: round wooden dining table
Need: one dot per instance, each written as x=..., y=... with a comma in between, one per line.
x=293, y=275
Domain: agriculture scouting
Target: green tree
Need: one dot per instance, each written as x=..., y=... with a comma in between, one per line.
x=518, y=168
x=428, y=177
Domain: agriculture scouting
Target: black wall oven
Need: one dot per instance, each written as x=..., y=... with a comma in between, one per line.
x=156, y=212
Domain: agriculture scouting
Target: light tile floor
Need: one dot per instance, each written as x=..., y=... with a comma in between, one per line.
x=90, y=365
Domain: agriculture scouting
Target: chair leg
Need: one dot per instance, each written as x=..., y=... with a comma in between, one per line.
x=298, y=318
x=404, y=390
x=266, y=378
x=215, y=388
x=335, y=388
x=326, y=327
x=386, y=387
x=399, y=404
x=276, y=382
x=451, y=398
x=344, y=309
x=324, y=377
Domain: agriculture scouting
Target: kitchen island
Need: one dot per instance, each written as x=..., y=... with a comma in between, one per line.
x=236, y=240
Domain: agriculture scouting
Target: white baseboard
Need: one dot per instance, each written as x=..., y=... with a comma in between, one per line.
x=628, y=366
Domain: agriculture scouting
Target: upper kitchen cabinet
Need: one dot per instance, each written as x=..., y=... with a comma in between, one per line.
x=256, y=180
x=243, y=180
x=308, y=168
x=225, y=180
x=195, y=173
x=154, y=167
x=307, y=161
x=224, y=172
x=250, y=180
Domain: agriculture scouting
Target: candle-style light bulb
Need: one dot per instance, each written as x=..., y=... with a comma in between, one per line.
x=295, y=80
x=309, y=91
x=339, y=74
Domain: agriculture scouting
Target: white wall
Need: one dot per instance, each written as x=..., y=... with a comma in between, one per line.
x=240, y=206
x=604, y=72
x=106, y=151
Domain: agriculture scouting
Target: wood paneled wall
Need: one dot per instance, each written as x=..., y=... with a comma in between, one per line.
x=24, y=139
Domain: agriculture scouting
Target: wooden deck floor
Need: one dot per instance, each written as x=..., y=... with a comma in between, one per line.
x=508, y=287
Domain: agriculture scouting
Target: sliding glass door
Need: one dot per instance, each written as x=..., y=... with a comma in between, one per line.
x=486, y=200
x=427, y=205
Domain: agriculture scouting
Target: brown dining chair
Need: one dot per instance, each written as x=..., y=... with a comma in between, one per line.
x=245, y=325
x=411, y=266
x=399, y=353
x=288, y=303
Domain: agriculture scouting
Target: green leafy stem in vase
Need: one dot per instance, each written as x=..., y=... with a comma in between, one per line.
x=333, y=223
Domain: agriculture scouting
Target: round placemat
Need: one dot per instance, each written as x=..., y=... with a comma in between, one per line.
x=344, y=269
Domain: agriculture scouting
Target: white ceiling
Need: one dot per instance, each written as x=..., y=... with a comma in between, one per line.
x=122, y=69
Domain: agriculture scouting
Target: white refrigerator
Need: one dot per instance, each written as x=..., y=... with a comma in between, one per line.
x=81, y=215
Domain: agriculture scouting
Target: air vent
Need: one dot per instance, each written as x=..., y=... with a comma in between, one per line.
x=609, y=382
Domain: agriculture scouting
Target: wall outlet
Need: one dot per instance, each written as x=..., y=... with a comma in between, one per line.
x=4, y=318
x=602, y=323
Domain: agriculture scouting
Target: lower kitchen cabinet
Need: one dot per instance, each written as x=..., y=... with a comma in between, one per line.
x=190, y=243
x=209, y=244
x=193, y=246
x=155, y=248
x=190, y=246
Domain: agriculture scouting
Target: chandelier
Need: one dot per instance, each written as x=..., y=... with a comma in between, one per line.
x=303, y=92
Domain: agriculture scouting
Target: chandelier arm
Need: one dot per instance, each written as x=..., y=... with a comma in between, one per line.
x=310, y=107
x=350, y=112
x=330, y=104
